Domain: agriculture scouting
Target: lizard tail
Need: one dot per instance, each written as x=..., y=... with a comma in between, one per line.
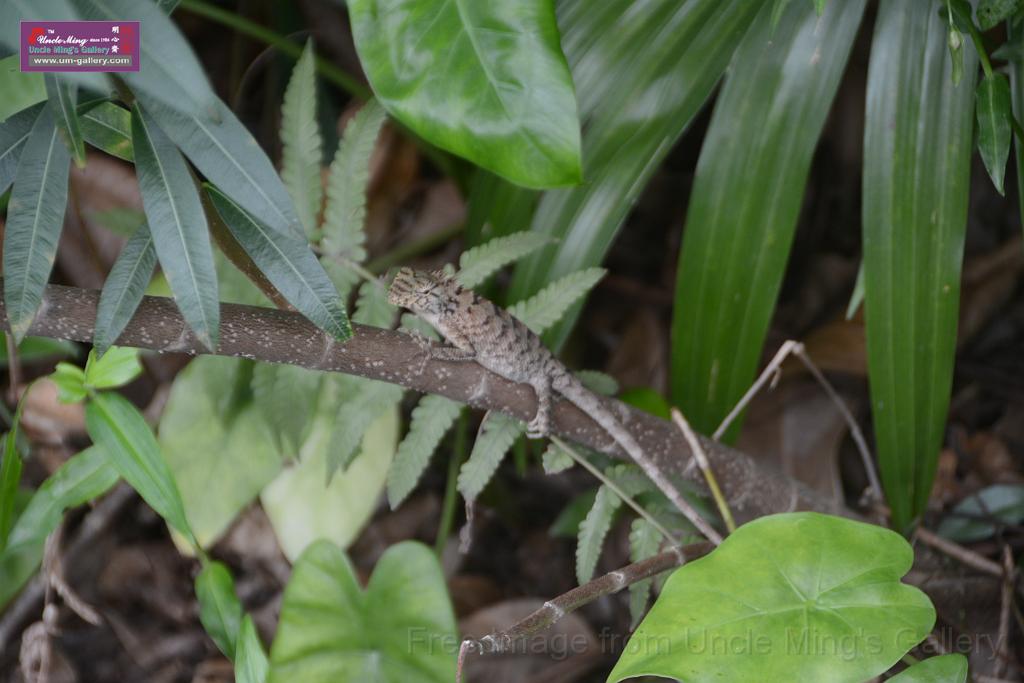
x=590, y=403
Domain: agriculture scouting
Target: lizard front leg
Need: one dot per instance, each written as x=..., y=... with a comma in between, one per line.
x=540, y=425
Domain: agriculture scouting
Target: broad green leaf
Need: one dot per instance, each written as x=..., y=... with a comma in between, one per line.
x=14, y=133
x=509, y=106
x=642, y=73
x=119, y=366
x=497, y=434
x=967, y=522
x=169, y=70
x=108, y=128
x=286, y=396
x=940, y=669
x=762, y=136
x=347, y=184
x=32, y=349
x=178, y=225
x=993, y=110
x=644, y=542
x=62, y=96
x=70, y=381
x=368, y=400
x=289, y=264
x=546, y=307
x=301, y=144
x=917, y=161
x=125, y=286
x=251, y=663
x=302, y=507
x=1015, y=41
x=219, y=609
x=217, y=444
x=401, y=629
x=555, y=460
x=373, y=307
x=119, y=429
x=35, y=216
x=10, y=476
x=593, y=530
x=798, y=592
x=83, y=477
x=991, y=12
x=230, y=158
x=479, y=263
x=432, y=417
x=21, y=89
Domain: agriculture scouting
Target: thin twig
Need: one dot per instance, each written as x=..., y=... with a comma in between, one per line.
x=770, y=371
x=615, y=488
x=702, y=462
x=1003, y=641
x=958, y=552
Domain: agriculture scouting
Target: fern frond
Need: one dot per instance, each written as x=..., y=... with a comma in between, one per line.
x=593, y=530
x=555, y=460
x=480, y=262
x=346, y=185
x=302, y=146
x=644, y=542
x=372, y=307
x=286, y=397
x=546, y=307
x=598, y=382
x=497, y=434
x=358, y=410
x=413, y=323
x=432, y=417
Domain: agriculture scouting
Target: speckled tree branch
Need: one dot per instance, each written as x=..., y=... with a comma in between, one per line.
x=277, y=336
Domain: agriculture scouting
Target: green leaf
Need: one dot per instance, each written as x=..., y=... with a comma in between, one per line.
x=34, y=349
x=917, y=160
x=178, y=225
x=368, y=400
x=956, y=54
x=230, y=158
x=219, y=609
x=21, y=89
x=108, y=128
x=598, y=382
x=509, y=107
x=14, y=133
x=640, y=83
x=218, y=445
x=993, y=110
x=120, y=220
x=644, y=542
x=289, y=264
x=169, y=70
x=251, y=663
x=555, y=460
x=83, y=477
x=857, y=297
x=125, y=286
x=778, y=7
x=119, y=429
x=117, y=367
x=497, y=434
x=70, y=381
x=762, y=136
x=347, y=184
x=593, y=530
x=10, y=476
x=1015, y=41
x=991, y=12
x=35, y=216
x=372, y=306
x=62, y=95
x=479, y=263
x=786, y=598
x=286, y=396
x=401, y=629
x=432, y=417
x=567, y=524
x=546, y=307
x=962, y=14
x=941, y=669
x=301, y=144
x=967, y=521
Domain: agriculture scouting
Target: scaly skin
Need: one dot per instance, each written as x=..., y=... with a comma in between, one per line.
x=479, y=331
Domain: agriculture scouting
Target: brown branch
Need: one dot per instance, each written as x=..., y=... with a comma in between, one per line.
x=276, y=336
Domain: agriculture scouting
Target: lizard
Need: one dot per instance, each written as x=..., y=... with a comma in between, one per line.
x=477, y=330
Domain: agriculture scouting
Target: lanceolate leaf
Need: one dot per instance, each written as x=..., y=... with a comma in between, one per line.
x=219, y=609
x=10, y=477
x=593, y=530
x=62, y=102
x=510, y=105
x=640, y=82
x=993, y=109
x=917, y=159
x=35, y=216
x=14, y=132
x=432, y=417
x=178, y=225
x=289, y=264
x=736, y=242
x=497, y=434
x=1015, y=40
x=547, y=307
x=229, y=156
x=124, y=288
x=479, y=263
x=301, y=142
x=251, y=663
x=345, y=212
x=108, y=127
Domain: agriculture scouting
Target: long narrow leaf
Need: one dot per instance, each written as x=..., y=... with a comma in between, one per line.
x=301, y=144
x=289, y=264
x=993, y=110
x=13, y=135
x=10, y=477
x=178, y=225
x=35, y=216
x=746, y=199
x=108, y=127
x=1015, y=41
x=62, y=101
x=220, y=612
x=124, y=288
x=251, y=663
x=917, y=159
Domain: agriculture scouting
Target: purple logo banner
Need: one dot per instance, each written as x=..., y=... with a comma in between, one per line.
x=80, y=46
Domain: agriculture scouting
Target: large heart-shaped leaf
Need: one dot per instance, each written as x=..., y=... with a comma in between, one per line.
x=792, y=597
x=509, y=105
x=400, y=630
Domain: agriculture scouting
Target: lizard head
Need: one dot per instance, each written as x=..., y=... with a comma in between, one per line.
x=421, y=292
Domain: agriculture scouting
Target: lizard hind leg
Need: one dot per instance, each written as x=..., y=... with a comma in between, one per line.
x=540, y=425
